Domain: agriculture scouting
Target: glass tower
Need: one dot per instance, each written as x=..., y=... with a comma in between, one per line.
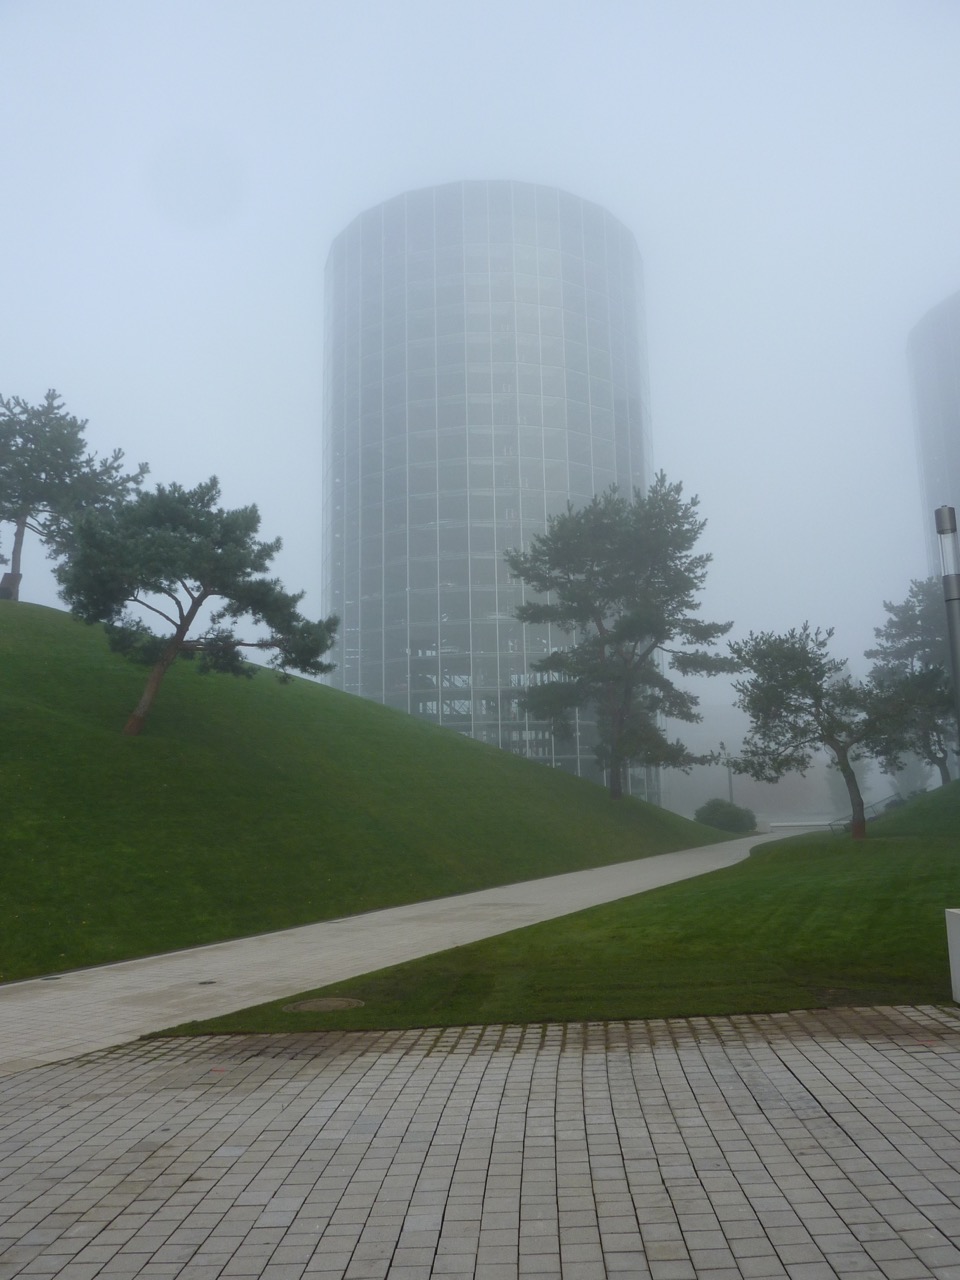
x=934, y=355
x=484, y=364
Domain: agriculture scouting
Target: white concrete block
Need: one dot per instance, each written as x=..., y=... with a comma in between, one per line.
x=953, y=947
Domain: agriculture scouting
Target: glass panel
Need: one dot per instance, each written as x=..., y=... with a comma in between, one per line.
x=528, y=348
x=423, y=574
x=577, y=386
x=395, y=512
x=453, y=542
x=480, y=443
x=555, y=475
x=527, y=289
x=481, y=507
x=452, y=477
x=554, y=444
x=451, y=508
x=528, y=379
x=528, y=318
x=529, y=410
x=395, y=676
x=422, y=447
x=454, y=574
x=485, y=641
x=503, y=410
x=481, y=475
x=423, y=480
x=531, y=473
x=581, y=481
x=423, y=607
x=454, y=637
x=601, y=393
x=454, y=605
x=578, y=449
x=482, y=538
x=452, y=409
x=422, y=513
x=452, y=444
x=423, y=642
x=554, y=413
x=551, y=294
x=533, y=508
x=506, y=474
x=483, y=571
x=423, y=674
x=551, y=322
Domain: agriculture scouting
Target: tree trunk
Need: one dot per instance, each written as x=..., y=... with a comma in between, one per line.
x=858, y=821
x=616, y=759
x=616, y=779
x=19, y=529
x=155, y=678
x=943, y=766
x=151, y=688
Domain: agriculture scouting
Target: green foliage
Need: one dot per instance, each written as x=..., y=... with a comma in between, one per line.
x=914, y=636
x=726, y=816
x=173, y=552
x=620, y=577
x=795, y=926
x=47, y=476
x=799, y=701
x=251, y=807
x=911, y=668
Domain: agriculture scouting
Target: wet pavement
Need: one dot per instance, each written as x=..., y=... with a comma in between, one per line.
x=804, y=1145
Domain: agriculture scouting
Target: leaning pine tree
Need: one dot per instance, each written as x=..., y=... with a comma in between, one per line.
x=177, y=555
x=619, y=577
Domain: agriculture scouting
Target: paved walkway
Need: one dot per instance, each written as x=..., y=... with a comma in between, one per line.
x=801, y=1146
x=50, y=1019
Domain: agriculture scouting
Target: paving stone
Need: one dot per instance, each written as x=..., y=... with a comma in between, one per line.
x=807, y=1146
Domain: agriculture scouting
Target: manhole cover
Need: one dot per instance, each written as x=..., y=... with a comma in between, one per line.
x=326, y=1004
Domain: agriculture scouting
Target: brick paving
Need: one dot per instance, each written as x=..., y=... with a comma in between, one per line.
x=800, y=1146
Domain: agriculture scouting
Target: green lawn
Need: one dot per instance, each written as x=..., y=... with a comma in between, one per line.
x=250, y=805
x=808, y=922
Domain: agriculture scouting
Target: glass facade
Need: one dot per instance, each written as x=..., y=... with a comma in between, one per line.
x=483, y=365
x=934, y=355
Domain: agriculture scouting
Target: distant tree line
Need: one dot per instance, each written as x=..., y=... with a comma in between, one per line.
x=617, y=579
x=801, y=700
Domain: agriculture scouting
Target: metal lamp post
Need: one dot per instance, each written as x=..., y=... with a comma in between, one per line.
x=950, y=567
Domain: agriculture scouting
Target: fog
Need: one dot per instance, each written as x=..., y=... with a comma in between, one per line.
x=173, y=175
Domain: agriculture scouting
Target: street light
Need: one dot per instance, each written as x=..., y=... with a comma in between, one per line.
x=950, y=567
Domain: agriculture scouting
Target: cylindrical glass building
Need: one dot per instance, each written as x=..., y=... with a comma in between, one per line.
x=483, y=365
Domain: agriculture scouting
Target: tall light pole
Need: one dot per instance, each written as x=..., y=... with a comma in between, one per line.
x=950, y=567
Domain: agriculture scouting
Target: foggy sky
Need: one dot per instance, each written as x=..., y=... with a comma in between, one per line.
x=173, y=174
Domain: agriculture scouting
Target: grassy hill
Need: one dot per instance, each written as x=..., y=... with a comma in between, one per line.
x=250, y=805
x=806, y=923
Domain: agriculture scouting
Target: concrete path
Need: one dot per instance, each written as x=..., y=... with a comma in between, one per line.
x=51, y=1019
x=801, y=1146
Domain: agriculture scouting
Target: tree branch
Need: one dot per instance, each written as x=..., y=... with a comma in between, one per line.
x=145, y=604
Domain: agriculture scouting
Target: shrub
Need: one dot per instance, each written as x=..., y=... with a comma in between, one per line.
x=726, y=816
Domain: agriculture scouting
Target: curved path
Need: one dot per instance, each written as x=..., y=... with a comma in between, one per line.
x=50, y=1019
